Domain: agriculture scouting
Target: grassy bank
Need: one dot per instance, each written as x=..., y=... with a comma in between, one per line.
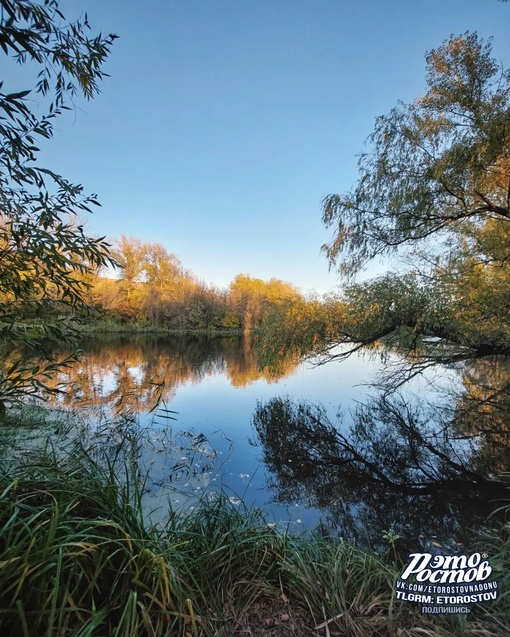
x=106, y=326
x=79, y=558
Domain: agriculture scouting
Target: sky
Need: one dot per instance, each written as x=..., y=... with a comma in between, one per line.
x=224, y=123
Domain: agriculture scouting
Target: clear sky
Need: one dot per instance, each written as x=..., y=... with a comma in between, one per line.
x=225, y=122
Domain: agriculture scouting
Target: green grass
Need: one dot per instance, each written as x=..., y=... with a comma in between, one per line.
x=79, y=558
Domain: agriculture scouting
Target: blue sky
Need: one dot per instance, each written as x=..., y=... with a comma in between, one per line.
x=225, y=122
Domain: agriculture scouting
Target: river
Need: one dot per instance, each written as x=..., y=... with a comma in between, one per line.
x=411, y=468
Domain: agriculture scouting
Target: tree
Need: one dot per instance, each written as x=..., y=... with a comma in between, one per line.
x=251, y=299
x=434, y=189
x=45, y=252
x=153, y=281
x=436, y=164
x=367, y=477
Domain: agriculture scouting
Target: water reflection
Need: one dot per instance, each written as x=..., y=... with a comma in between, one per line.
x=432, y=473
x=137, y=373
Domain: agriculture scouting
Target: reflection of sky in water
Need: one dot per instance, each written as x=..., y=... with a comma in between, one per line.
x=108, y=382
x=214, y=387
x=136, y=373
x=211, y=389
x=223, y=413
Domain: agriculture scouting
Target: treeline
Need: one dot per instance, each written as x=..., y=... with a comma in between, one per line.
x=154, y=289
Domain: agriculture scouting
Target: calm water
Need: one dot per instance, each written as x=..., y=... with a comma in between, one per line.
x=426, y=487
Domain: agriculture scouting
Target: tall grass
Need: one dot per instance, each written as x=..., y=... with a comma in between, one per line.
x=76, y=556
x=79, y=558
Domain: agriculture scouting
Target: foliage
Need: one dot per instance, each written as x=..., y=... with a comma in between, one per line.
x=435, y=190
x=252, y=298
x=435, y=164
x=45, y=253
x=155, y=289
x=301, y=327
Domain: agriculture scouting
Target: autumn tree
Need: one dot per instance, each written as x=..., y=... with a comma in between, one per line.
x=45, y=253
x=251, y=299
x=434, y=191
x=130, y=255
x=435, y=164
x=154, y=288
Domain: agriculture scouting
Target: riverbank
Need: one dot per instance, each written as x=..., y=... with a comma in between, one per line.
x=112, y=327
x=80, y=558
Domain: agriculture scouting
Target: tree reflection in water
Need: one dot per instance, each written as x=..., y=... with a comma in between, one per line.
x=430, y=473
x=138, y=372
